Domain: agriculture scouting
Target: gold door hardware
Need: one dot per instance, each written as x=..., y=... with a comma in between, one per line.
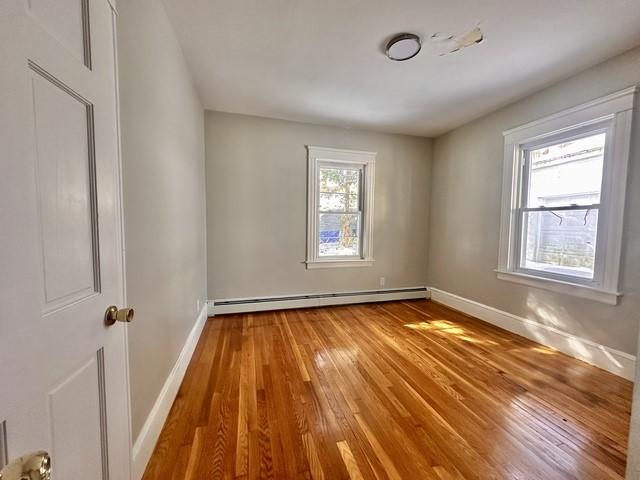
x=113, y=315
x=33, y=466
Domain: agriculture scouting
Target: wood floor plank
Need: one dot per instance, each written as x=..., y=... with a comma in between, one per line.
x=349, y=461
x=397, y=390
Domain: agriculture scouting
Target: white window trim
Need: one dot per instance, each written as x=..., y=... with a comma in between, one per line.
x=616, y=111
x=365, y=160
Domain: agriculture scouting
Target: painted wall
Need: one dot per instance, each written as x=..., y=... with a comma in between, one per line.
x=256, y=208
x=465, y=214
x=164, y=200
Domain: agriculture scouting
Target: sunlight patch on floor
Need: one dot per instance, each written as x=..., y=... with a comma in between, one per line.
x=449, y=328
x=544, y=350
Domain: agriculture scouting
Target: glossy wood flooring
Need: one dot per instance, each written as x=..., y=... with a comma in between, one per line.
x=402, y=390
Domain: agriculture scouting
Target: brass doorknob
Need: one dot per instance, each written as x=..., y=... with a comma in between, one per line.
x=113, y=315
x=33, y=466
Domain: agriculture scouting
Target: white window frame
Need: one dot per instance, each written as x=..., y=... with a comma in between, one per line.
x=612, y=114
x=366, y=163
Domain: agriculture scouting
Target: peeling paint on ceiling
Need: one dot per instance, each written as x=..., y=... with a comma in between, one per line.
x=447, y=44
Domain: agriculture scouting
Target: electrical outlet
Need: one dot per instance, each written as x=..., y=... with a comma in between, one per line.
x=198, y=305
x=382, y=281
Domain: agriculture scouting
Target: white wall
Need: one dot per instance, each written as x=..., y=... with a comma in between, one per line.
x=257, y=200
x=164, y=200
x=465, y=214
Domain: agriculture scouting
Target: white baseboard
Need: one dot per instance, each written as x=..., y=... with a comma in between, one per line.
x=614, y=361
x=241, y=305
x=146, y=441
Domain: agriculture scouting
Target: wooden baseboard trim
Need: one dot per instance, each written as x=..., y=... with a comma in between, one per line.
x=148, y=437
x=241, y=305
x=609, y=359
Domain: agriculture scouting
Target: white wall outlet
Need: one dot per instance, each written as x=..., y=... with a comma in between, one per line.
x=382, y=281
x=198, y=305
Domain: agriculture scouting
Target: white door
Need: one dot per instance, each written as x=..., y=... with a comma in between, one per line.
x=63, y=376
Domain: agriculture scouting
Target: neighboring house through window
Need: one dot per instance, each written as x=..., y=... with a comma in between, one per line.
x=340, y=207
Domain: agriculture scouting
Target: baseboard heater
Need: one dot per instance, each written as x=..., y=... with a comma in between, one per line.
x=218, y=307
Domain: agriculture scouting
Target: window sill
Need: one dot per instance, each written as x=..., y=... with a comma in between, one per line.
x=568, y=288
x=338, y=263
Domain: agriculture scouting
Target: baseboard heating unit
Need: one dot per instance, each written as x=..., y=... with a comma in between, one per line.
x=238, y=305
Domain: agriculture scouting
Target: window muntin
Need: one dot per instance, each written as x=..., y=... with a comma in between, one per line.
x=558, y=216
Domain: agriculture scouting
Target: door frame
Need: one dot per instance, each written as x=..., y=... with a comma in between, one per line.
x=121, y=229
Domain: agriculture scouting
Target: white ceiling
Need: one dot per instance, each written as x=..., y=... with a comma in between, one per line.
x=322, y=61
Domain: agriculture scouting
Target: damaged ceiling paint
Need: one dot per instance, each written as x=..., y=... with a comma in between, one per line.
x=447, y=44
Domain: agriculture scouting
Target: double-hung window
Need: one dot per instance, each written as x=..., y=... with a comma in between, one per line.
x=340, y=213
x=558, y=216
x=563, y=199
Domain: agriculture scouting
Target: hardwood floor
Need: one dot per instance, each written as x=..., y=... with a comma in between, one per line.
x=400, y=390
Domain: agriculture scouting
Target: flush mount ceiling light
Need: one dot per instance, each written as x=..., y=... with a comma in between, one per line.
x=403, y=47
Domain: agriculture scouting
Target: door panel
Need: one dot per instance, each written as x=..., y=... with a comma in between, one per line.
x=63, y=373
x=67, y=21
x=79, y=399
x=65, y=172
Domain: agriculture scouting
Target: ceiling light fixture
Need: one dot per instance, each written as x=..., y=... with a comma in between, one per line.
x=403, y=47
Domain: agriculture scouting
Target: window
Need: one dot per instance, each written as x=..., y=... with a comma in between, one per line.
x=340, y=215
x=559, y=213
x=563, y=199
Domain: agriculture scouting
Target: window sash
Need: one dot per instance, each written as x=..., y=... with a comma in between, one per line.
x=521, y=251
x=360, y=194
x=358, y=236
x=575, y=134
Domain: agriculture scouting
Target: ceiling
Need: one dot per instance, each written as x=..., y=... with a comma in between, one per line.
x=322, y=61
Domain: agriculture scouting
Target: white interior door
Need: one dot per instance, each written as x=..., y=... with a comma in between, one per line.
x=63, y=374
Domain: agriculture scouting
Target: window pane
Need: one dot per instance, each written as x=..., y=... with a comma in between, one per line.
x=339, y=190
x=560, y=242
x=332, y=202
x=339, y=202
x=567, y=173
x=339, y=234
